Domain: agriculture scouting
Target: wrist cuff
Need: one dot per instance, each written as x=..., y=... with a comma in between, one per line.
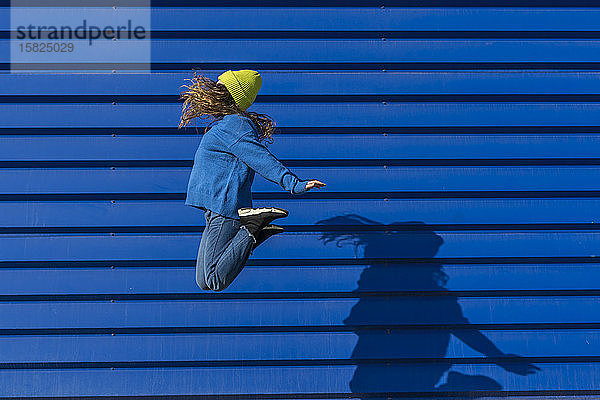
x=299, y=187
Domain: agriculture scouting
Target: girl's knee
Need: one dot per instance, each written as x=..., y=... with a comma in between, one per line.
x=215, y=284
x=201, y=283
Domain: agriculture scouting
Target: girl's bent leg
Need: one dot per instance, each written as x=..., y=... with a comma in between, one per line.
x=228, y=246
x=200, y=274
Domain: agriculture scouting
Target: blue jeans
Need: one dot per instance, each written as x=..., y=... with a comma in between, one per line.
x=224, y=249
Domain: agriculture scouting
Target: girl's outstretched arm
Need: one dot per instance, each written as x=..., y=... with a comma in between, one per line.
x=256, y=155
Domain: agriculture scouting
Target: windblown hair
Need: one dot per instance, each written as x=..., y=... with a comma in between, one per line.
x=205, y=98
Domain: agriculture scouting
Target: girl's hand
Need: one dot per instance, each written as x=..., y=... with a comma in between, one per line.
x=313, y=183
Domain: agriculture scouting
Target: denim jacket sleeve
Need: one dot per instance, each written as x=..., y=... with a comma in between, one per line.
x=256, y=155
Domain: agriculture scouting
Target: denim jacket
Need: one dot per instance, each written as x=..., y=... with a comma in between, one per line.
x=225, y=163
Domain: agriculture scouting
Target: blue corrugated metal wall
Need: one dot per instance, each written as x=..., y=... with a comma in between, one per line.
x=452, y=251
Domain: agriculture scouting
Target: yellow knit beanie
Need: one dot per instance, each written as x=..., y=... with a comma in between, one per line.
x=243, y=86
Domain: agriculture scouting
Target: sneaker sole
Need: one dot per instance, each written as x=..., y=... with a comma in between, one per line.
x=247, y=212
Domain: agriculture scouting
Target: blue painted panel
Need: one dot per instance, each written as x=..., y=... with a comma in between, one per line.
x=313, y=114
x=306, y=147
x=302, y=246
x=351, y=346
x=374, y=51
x=282, y=83
x=404, y=277
x=304, y=312
x=338, y=179
x=172, y=213
x=384, y=379
x=370, y=18
x=257, y=51
x=375, y=18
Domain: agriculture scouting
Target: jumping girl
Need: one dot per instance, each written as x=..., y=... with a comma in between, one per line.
x=229, y=154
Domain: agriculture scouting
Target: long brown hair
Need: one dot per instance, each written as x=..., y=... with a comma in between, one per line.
x=205, y=98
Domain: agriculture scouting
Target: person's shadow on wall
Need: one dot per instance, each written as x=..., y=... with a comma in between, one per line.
x=384, y=356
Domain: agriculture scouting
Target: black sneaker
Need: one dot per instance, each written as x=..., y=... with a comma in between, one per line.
x=266, y=233
x=256, y=218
